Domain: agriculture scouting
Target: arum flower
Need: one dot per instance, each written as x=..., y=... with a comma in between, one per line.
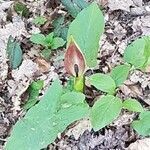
x=74, y=61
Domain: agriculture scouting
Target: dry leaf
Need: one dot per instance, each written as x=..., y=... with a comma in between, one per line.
x=124, y=119
x=120, y=4
x=143, y=144
x=103, y=2
x=43, y=65
x=21, y=81
x=4, y=6
x=138, y=2
x=79, y=128
x=142, y=24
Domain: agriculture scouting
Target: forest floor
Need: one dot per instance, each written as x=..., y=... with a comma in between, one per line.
x=125, y=21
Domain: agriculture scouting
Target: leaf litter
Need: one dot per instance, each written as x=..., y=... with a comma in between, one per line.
x=125, y=21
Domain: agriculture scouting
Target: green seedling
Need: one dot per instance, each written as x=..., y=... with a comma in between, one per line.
x=49, y=42
x=40, y=20
x=14, y=53
x=34, y=90
x=21, y=9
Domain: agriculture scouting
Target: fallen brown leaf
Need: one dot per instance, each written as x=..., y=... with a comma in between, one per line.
x=143, y=144
x=43, y=65
x=79, y=128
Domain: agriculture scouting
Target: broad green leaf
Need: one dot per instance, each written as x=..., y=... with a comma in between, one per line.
x=104, y=111
x=38, y=39
x=142, y=126
x=103, y=82
x=74, y=6
x=120, y=74
x=40, y=20
x=57, y=42
x=86, y=30
x=133, y=105
x=138, y=52
x=44, y=121
x=14, y=52
x=33, y=90
x=71, y=98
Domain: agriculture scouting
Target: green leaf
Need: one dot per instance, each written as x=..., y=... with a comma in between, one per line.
x=57, y=42
x=132, y=105
x=37, y=85
x=138, y=52
x=49, y=38
x=14, y=52
x=33, y=90
x=21, y=9
x=74, y=6
x=44, y=121
x=48, y=42
x=103, y=82
x=40, y=20
x=46, y=53
x=120, y=74
x=104, y=111
x=64, y=32
x=60, y=27
x=70, y=84
x=86, y=30
x=71, y=98
x=58, y=23
x=142, y=126
x=38, y=39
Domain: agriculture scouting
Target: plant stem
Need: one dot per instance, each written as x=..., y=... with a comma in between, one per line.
x=79, y=83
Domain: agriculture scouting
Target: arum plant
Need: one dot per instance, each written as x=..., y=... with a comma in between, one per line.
x=83, y=43
x=74, y=63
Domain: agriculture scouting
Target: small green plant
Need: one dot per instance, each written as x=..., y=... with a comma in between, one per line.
x=33, y=90
x=60, y=106
x=14, y=53
x=49, y=42
x=40, y=20
x=21, y=9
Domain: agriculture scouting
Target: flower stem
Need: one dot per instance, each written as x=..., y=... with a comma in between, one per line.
x=79, y=83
